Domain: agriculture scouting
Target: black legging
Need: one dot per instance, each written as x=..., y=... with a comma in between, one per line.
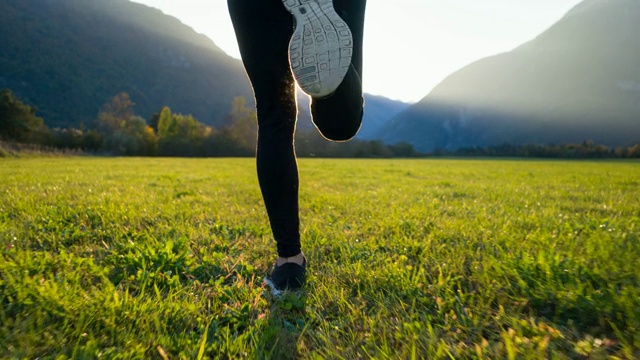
x=263, y=29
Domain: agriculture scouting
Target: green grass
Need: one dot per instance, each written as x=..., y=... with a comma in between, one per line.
x=164, y=258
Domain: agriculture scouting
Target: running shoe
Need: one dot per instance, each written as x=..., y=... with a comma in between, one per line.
x=321, y=47
x=288, y=276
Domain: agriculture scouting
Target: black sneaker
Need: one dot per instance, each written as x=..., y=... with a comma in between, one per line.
x=288, y=276
x=321, y=47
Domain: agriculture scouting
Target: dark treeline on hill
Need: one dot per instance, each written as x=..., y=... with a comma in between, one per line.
x=117, y=130
x=71, y=56
x=585, y=150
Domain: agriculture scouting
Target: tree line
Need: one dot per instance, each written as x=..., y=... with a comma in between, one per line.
x=584, y=150
x=117, y=130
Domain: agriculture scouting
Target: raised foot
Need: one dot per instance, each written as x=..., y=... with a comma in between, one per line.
x=321, y=47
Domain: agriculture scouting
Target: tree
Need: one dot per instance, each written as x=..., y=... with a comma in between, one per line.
x=114, y=113
x=243, y=125
x=134, y=137
x=154, y=121
x=181, y=135
x=403, y=149
x=18, y=121
x=166, y=123
x=125, y=133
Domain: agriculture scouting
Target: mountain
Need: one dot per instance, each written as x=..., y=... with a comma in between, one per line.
x=577, y=81
x=378, y=111
x=69, y=57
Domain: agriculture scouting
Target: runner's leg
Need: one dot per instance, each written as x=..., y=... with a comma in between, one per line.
x=263, y=29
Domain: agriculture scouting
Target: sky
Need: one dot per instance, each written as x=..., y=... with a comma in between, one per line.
x=410, y=45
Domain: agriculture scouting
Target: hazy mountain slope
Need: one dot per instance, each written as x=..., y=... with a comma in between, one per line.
x=579, y=80
x=378, y=112
x=68, y=57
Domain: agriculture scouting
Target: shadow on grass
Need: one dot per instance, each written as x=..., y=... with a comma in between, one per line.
x=285, y=325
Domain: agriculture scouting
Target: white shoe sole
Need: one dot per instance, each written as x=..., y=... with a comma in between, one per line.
x=321, y=47
x=272, y=288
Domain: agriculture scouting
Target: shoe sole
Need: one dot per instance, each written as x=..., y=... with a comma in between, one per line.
x=275, y=292
x=321, y=47
x=272, y=288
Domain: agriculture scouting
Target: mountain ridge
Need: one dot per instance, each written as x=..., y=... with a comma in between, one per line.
x=69, y=57
x=574, y=82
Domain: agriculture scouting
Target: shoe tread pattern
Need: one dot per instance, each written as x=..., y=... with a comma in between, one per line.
x=321, y=47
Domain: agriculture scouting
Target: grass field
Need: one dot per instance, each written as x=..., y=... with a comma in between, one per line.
x=164, y=258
